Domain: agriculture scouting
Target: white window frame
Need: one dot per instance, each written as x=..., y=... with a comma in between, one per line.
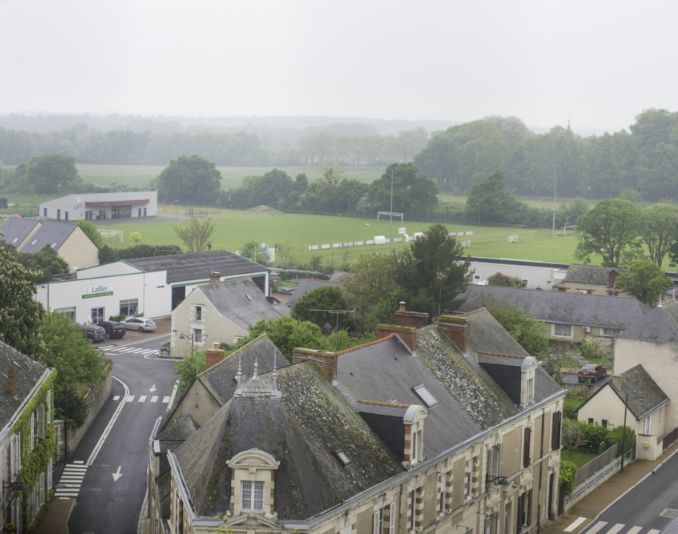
x=256, y=489
x=378, y=521
x=417, y=446
x=198, y=313
x=442, y=494
x=198, y=336
x=647, y=425
x=468, y=479
x=562, y=325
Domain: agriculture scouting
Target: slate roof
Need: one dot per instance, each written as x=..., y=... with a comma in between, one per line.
x=26, y=372
x=657, y=326
x=387, y=371
x=197, y=265
x=309, y=284
x=644, y=395
x=303, y=429
x=559, y=307
x=219, y=379
x=589, y=274
x=16, y=229
x=242, y=302
x=671, y=308
x=50, y=233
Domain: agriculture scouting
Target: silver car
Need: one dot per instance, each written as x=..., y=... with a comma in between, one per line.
x=139, y=323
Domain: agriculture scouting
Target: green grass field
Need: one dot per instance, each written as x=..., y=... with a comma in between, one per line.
x=295, y=232
x=141, y=175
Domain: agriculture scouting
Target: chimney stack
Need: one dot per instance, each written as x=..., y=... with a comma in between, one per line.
x=214, y=355
x=215, y=277
x=455, y=327
x=10, y=382
x=410, y=318
x=407, y=334
x=325, y=361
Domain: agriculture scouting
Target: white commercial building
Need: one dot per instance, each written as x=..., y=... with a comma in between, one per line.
x=534, y=274
x=101, y=206
x=149, y=287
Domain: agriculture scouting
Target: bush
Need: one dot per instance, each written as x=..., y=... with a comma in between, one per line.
x=591, y=349
x=616, y=435
x=572, y=436
x=594, y=437
x=500, y=279
x=567, y=472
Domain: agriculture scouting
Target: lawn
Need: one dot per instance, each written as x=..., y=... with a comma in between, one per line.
x=578, y=457
x=141, y=175
x=295, y=232
x=535, y=202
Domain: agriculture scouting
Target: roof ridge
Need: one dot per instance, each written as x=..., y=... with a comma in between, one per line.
x=367, y=344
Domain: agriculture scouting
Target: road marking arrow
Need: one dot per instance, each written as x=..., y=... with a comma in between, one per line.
x=152, y=389
x=117, y=475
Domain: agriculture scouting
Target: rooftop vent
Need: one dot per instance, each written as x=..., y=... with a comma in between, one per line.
x=425, y=395
x=342, y=458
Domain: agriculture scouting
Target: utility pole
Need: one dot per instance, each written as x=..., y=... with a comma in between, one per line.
x=623, y=443
x=390, y=217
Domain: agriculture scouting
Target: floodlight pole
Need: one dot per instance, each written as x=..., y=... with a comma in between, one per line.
x=390, y=217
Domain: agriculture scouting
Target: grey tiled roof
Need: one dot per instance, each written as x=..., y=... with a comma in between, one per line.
x=26, y=372
x=308, y=284
x=657, y=326
x=197, y=265
x=671, y=308
x=387, y=371
x=242, y=302
x=303, y=430
x=644, y=395
x=220, y=378
x=559, y=307
x=50, y=233
x=589, y=274
x=16, y=229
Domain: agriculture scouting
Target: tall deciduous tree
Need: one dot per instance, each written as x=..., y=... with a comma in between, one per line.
x=92, y=232
x=525, y=329
x=20, y=314
x=659, y=230
x=190, y=180
x=45, y=263
x=611, y=228
x=413, y=194
x=323, y=298
x=196, y=234
x=490, y=201
x=48, y=175
x=432, y=272
x=645, y=281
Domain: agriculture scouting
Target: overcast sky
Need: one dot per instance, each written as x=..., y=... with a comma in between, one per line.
x=597, y=63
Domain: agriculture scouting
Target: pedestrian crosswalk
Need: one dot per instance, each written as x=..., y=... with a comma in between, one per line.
x=605, y=527
x=143, y=398
x=71, y=480
x=128, y=349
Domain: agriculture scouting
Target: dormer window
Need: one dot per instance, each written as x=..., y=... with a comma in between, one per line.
x=252, y=493
x=527, y=379
x=413, y=423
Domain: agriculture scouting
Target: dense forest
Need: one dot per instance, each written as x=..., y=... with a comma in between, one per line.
x=644, y=158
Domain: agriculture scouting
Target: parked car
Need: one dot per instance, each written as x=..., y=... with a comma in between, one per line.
x=114, y=329
x=591, y=373
x=94, y=333
x=139, y=323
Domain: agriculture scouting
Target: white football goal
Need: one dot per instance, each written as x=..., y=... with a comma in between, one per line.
x=391, y=214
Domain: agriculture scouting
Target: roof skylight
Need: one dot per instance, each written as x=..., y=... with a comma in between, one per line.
x=425, y=395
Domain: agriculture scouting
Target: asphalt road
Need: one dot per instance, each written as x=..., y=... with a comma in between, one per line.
x=647, y=508
x=113, y=489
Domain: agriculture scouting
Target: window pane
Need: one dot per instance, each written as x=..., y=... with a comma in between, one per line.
x=258, y=496
x=246, y=494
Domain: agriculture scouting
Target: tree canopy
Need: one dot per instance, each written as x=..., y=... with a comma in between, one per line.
x=45, y=263
x=659, y=230
x=610, y=228
x=196, y=234
x=490, y=201
x=524, y=328
x=48, y=175
x=645, y=281
x=190, y=180
x=413, y=193
x=322, y=298
x=92, y=232
x=432, y=272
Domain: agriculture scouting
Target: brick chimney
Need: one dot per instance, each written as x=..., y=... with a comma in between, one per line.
x=612, y=277
x=408, y=334
x=455, y=327
x=10, y=382
x=326, y=361
x=410, y=318
x=214, y=355
x=215, y=277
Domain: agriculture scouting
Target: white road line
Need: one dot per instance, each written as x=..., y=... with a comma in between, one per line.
x=616, y=528
x=128, y=349
x=116, y=397
x=142, y=398
x=137, y=350
x=130, y=398
x=154, y=398
x=110, y=424
x=165, y=399
x=634, y=530
x=600, y=525
x=75, y=469
x=155, y=351
x=107, y=347
x=174, y=392
x=653, y=531
x=66, y=494
x=77, y=462
x=572, y=526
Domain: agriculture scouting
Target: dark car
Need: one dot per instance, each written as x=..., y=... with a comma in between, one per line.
x=94, y=332
x=114, y=329
x=591, y=373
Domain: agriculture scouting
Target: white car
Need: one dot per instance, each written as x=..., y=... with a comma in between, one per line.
x=139, y=323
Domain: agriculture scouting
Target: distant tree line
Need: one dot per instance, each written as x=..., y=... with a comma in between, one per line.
x=644, y=158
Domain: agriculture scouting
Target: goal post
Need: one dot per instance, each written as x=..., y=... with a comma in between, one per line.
x=110, y=233
x=389, y=214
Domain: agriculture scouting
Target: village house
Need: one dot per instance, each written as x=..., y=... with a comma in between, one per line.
x=220, y=312
x=591, y=280
x=27, y=438
x=566, y=316
x=448, y=426
x=30, y=236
